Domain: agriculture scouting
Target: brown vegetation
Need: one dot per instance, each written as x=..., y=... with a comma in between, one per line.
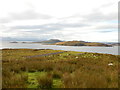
x=73, y=69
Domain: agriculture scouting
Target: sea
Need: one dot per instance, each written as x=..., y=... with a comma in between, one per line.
x=106, y=50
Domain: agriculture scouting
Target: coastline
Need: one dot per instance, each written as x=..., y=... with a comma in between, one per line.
x=53, y=49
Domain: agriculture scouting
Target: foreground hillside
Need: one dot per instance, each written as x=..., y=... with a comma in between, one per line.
x=32, y=68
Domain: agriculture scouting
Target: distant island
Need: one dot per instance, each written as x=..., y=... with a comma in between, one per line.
x=81, y=43
x=51, y=41
x=72, y=43
x=14, y=42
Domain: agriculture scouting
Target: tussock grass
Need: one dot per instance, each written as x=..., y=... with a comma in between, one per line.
x=45, y=81
x=67, y=70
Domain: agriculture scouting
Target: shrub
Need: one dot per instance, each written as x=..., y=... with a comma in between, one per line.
x=15, y=81
x=57, y=74
x=45, y=81
x=80, y=79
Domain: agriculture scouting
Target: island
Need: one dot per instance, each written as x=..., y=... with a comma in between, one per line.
x=72, y=43
x=13, y=42
x=81, y=43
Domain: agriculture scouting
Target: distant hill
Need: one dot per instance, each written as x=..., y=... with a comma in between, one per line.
x=51, y=41
x=81, y=43
x=115, y=44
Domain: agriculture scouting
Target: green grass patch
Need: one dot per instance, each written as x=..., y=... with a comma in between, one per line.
x=32, y=79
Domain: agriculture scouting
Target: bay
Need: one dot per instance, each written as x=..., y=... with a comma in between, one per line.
x=107, y=50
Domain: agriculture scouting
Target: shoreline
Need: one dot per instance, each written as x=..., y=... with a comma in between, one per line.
x=55, y=49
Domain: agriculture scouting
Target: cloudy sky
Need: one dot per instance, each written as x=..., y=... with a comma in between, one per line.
x=88, y=20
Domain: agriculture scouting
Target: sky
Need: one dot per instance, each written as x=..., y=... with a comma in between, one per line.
x=87, y=20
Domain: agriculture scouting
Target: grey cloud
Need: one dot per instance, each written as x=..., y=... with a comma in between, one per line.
x=107, y=31
x=47, y=30
x=109, y=26
x=26, y=15
x=70, y=25
x=34, y=36
x=36, y=28
x=24, y=38
x=5, y=20
x=51, y=27
x=107, y=5
x=99, y=16
x=95, y=16
x=30, y=14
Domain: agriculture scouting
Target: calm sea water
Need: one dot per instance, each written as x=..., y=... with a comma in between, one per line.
x=108, y=50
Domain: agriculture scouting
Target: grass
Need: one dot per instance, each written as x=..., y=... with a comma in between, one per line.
x=45, y=81
x=66, y=70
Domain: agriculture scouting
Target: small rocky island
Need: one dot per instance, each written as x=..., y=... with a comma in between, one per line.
x=14, y=42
